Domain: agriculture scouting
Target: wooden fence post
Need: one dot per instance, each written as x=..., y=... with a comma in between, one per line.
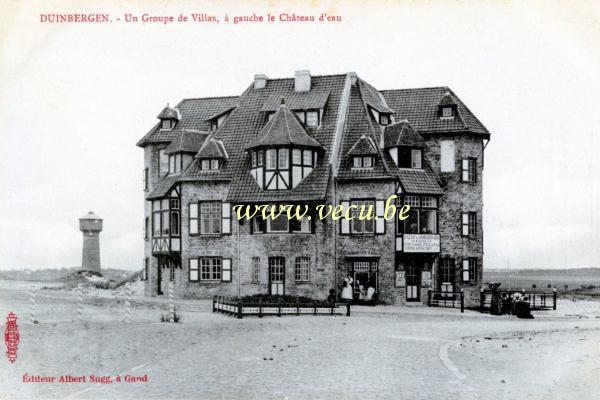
x=462, y=300
x=214, y=304
x=278, y=308
x=347, y=309
x=259, y=308
x=239, y=310
x=554, y=297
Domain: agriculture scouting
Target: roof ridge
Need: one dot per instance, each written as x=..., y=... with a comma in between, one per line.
x=415, y=88
x=208, y=98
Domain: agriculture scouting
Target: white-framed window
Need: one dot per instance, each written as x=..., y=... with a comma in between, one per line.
x=175, y=163
x=302, y=269
x=210, y=269
x=366, y=226
x=256, y=269
x=193, y=213
x=160, y=218
x=146, y=180
x=422, y=216
x=283, y=159
x=272, y=159
x=447, y=150
x=209, y=164
x=469, y=170
x=415, y=156
x=210, y=218
x=312, y=118
x=362, y=162
x=166, y=124
x=469, y=223
x=469, y=270
x=162, y=162
x=429, y=202
x=447, y=112
x=384, y=119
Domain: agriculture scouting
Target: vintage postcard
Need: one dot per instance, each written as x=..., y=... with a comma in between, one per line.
x=300, y=200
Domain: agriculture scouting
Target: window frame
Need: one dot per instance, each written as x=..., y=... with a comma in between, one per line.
x=146, y=182
x=469, y=224
x=469, y=170
x=469, y=270
x=416, y=160
x=361, y=160
x=302, y=269
x=356, y=211
x=417, y=204
x=255, y=265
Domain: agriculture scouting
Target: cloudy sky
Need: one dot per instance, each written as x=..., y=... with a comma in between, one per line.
x=75, y=98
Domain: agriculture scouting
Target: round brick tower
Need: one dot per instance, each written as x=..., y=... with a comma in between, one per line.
x=91, y=226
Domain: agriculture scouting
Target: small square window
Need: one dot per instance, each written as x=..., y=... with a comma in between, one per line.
x=166, y=124
x=205, y=164
x=357, y=162
x=384, y=119
x=214, y=164
x=447, y=112
x=367, y=162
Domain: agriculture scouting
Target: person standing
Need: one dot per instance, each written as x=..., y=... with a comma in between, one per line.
x=347, y=290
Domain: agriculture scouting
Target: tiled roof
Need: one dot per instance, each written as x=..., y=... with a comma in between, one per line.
x=193, y=116
x=186, y=141
x=447, y=100
x=162, y=187
x=312, y=99
x=169, y=113
x=363, y=146
x=245, y=123
x=219, y=113
x=420, y=108
x=373, y=98
x=284, y=129
x=357, y=126
x=402, y=134
x=212, y=149
x=418, y=181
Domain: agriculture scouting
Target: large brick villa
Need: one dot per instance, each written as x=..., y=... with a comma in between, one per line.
x=313, y=140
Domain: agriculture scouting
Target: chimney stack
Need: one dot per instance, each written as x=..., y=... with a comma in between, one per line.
x=302, y=80
x=260, y=81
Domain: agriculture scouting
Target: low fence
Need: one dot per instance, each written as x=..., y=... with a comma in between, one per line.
x=438, y=298
x=537, y=300
x=238, y=308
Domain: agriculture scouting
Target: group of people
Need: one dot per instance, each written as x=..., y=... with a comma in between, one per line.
x=364, y=294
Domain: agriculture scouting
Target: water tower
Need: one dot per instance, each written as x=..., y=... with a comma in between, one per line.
x=91, y=226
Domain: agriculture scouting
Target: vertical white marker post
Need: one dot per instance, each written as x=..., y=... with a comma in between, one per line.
x=127, y=304
x=80, y=303
x=32, y=305
x=171, y=304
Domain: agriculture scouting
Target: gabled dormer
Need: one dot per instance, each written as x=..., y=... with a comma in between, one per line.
x=363, y=153
x=182, y=149
x=447, y=107
x=168, y=117
x=218, y=119
x=212, y=155
x=283, y=153
x=404, y=145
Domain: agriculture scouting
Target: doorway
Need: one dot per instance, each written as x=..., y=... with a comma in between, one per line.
x=413, y=280
x=277, y=276
x=364, y=273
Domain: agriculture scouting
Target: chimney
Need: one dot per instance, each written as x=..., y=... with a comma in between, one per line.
x=260, y=81
x=302, y=80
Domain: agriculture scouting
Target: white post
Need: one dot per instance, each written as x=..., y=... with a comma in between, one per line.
x=171, y=304
x=127, y=304
x=80, y=303
x=32, y=305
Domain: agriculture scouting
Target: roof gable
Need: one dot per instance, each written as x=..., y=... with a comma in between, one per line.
x=363, y=146
x=186, y=141
x=284, y=129
x=212, y=149
x=402, y=134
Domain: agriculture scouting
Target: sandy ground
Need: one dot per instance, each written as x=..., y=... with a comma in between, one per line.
x=382, y=352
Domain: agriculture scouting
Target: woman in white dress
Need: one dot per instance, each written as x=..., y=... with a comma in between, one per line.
x=347, y=290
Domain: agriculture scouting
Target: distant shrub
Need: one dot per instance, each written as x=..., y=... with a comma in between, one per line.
x=534, y=286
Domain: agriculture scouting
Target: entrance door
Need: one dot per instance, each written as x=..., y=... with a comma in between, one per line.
x=413, y=280
x=276, y=275
x=364, y=275
x=446, y=277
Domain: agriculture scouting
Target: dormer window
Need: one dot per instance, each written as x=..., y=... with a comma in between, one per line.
x=309, y=118
x=175, y=163
x=384, y=119
x=166, y=124
x=209, y=164
x=362, y=162
x=415, y=158
x=168, y=117
x=447, y=112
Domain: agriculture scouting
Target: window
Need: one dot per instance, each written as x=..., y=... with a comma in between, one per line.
x=365, y=226
x=209, y=164
x=469, y=270
x=312, y=118
x=469, y=224
x=279, y=224
x=160, y=218
x=415, y=157
x=146, y=227
x=283, y=159
x=166, y=124
x=210, y=217
x=447, y=155
x=302, y=270
x=447, y=271
x=447, y=112
x=210, y=269
x=384, y=119
x=174, y=217
x=270, y=116
x=272, y=159
x=469, y=170
x=145, y=269
x=193, y=218
x=172, y=272
x=146, y=183
x=422, y=217
x=255, y=269
x=175, y=163
x=362, y=162
x=253, y=159
x=163, y=163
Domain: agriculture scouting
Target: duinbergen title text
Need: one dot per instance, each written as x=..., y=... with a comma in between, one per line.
x=352, y=211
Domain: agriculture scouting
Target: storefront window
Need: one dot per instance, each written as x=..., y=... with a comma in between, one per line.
x=422, y=217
